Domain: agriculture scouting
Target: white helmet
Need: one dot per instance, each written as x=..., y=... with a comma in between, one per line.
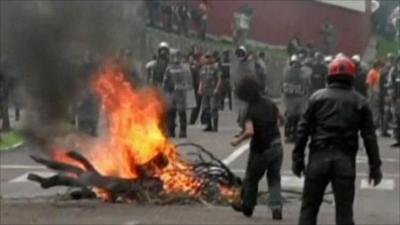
x=356, y=58
x=328, y=59
x=294, y=58
x=163, y=44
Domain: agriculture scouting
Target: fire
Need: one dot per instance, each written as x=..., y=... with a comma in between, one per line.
x=136, y=137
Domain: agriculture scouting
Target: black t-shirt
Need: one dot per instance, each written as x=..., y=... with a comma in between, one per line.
x=264, y=115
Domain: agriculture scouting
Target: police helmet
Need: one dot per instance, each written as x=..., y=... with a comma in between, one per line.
x=241, y=52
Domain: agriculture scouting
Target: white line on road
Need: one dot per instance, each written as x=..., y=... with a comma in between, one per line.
x=235, y=154
x=288, y=172
x=386, y=184
x=21, y=167
x=132, y=222
x=364, y=159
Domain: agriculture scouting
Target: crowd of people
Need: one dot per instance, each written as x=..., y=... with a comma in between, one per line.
x=178, y=16
x=201, y=81
x=328, y=99
x=306, y=73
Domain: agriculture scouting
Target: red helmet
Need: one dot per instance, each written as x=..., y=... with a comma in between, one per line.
x=341, y=65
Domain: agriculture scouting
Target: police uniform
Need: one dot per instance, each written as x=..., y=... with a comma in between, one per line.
x=295, y=89
x=226, y=88
x=395, y=77
x=177, y=82
x=318, y=77
x=385, y=102
x=209, y=76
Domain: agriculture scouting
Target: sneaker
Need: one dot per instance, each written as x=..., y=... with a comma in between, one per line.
x=277, y=214
x=247, y=211
x=207, y=129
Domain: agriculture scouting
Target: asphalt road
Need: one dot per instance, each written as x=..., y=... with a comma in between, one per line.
x=22, y=202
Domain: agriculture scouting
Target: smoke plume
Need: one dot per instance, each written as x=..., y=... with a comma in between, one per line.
x=44, y=43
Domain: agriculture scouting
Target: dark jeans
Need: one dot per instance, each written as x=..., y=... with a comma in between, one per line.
x=291, y=126
x=195, y=111
x=171, y=121
x=329, y=165
x=268, y=162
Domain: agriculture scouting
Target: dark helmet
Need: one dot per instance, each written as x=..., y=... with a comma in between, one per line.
x=176, y=56
x=341, y=65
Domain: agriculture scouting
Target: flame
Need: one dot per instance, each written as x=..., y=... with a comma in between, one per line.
x=135, y=136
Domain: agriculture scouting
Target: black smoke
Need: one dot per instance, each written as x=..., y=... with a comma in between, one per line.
x=44, y=43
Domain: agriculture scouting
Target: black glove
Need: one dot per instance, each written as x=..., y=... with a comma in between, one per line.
x=375, y=175
x=298, y=168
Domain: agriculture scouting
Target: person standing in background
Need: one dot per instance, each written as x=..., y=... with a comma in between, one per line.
x=203, y=9
x=210, y=83
x=195, y=57
x=372, y=81
x=176, y=84
x=226, y=88
x=329, y=36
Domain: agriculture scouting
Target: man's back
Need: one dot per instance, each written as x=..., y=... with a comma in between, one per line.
x=338, y=114
x=264, y=115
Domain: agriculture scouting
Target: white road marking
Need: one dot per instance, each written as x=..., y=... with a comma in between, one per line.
x=288, y=172
x=235, y=154
x=131, y=222
x=386, y=184
x=24, y=177
x=222, y=128
x=292, y=182
x=364, y=159
x=21, y=167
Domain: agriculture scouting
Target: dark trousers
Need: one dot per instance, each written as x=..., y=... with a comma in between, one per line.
x=291, y=126
x=172, y=113
x=397, y=128
x=329, y=165
x=226, y=93
x=195, y=111
x=268, y=162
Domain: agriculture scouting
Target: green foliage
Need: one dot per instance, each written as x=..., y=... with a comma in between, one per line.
x=10, y=140
x=387, y=45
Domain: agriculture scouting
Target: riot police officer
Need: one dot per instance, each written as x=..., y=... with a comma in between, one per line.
x=177, y=82
x=295, y=90
x=361, y=75
x=332, y=120
x=158, y=68
x=226, y=88
x=319, y=72
x=395, y=78
x=385, y=98
x=210, y=82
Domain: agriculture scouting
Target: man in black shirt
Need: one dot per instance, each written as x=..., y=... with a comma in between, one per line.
x=261, y=125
